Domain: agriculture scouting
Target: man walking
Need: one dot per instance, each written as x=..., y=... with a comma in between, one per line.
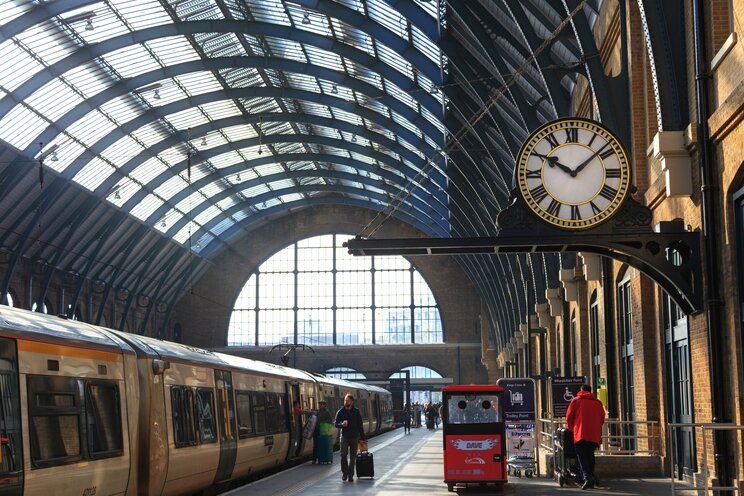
x=584, y=418
x=349, y=420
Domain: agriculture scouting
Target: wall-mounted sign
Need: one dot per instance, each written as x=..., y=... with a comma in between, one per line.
x=563, y=390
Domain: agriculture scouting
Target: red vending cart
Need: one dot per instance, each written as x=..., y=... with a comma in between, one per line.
x=474, y=435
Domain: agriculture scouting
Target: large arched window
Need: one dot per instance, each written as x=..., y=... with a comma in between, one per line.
x=313, y=292
x=345, y=373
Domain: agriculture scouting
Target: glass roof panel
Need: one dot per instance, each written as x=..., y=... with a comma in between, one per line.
x=223, y=226
x=186, y=119
x=54, y=99
x=186, y=232
x=146, y=207
x=324, y=58
x=89, y=79
x=141, y=14
x=122, y=151
x=48, y=43
x=67, y=152
x=122, y=192
x=286, y=49
x=292, y=197
x=207, y=215
x=92, y=127
x=272, y=12
x=24, y=66
x=122, y=109
x=11, y=10
x=94, y=173
x=149, y=170
x=255, y=191
x=19, y=126
x=172, y=50
x=151, y=134
x=131, y=60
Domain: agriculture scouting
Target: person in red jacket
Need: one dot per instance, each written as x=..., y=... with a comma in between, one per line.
x=584, y=418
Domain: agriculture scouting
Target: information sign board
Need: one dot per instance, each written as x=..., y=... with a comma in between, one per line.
x=518, y=399
x=563, y=390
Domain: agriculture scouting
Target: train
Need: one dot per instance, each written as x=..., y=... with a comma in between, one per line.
x=86, y=410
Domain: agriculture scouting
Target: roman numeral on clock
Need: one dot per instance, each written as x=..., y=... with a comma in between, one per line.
x=572, y=135
x=539, y=193
x=534, y=174
x=608, y=192
x=554, y=208
x=606, y=154
x=595, y=208
x=552, y=140
x=575, y=213
x=613, y=173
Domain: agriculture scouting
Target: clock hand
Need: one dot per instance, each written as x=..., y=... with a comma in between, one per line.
x=591, y=157
x=553, y=162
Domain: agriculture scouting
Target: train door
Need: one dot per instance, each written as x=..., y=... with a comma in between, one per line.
x=11, y=455
x=376, y=410
x=228, y=438
x=295, y=431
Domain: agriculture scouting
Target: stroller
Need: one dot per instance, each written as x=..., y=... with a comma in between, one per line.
x=566, y=462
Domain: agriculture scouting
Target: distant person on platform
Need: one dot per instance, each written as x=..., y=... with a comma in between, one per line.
x=584, y=418
x=324, y=416
x=349, y=420
x=407, y=419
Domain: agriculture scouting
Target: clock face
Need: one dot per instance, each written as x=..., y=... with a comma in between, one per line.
x=573, y=173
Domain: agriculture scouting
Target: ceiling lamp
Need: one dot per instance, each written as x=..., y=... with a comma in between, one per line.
x=54, y=156
x=156, y=95
x=204, y=141
x=306, y=18
x=434, y=89
x=334, y=89
x=89, y=24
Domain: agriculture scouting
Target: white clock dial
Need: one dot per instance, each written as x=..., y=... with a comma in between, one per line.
x=573, y=173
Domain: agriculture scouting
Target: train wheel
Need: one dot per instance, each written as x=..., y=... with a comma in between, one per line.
x=528, y=474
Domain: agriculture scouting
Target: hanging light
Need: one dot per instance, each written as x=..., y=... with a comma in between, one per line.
x=204, y=141
x=156, y=95
x=434, y=89
x=353, y=138
x=89, y=24
x=54, y=156
x=162, y=223
x=306, y=18
x=117, y=195
x=334, y=89
x=237, y=177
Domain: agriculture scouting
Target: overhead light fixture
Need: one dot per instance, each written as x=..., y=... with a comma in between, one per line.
x=162, y=223
x=204, y=141
x=306, y=18
x=434, y=89
x=54, y=156
x=353, y=138
x=237, y=177
x=334, y=89
x=83, y=16
x=156, y=95
x=89, y=24
x=117, y=195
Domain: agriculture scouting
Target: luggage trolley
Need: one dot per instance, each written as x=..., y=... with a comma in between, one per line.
x=520, y=450
x=474, y=436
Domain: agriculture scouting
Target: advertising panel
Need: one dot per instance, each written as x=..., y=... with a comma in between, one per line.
x=473, y=457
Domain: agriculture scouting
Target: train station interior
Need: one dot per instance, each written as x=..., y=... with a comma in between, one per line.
x=404, y=195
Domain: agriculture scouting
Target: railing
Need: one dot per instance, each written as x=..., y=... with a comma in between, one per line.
x=672, y=429
x=619, y=437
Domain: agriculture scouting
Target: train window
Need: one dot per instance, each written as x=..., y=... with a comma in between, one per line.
x=205, y=415
x=184, y=428
x=245, y=419
x=103, y=419
x=276, y=418
x=259, y=412
x=54, y=420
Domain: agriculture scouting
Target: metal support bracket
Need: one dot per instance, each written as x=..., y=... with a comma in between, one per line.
x=671, y=256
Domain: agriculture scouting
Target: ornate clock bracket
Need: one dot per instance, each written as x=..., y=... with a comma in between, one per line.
x=671, y=256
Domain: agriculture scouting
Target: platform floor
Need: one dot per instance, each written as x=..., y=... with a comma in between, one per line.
x=412, y=464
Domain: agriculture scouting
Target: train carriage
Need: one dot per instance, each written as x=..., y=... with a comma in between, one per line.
x=86, y=410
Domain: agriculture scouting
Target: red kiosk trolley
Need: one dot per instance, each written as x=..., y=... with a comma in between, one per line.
x=474, y=435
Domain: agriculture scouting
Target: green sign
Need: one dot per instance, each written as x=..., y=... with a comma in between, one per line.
x=601, y=381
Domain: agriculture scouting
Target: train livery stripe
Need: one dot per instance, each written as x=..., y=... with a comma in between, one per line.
x=56, y=350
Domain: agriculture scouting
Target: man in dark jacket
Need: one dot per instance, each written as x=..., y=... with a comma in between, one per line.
x=349, y=420
x=584, y=418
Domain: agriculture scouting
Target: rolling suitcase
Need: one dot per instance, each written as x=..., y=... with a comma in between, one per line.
x=365, y=464
x=325, y=449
